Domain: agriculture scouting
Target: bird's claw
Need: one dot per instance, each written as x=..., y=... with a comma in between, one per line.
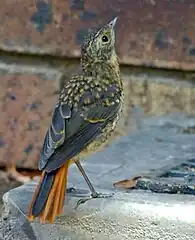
x=93, y=195
x=71, y=190
x=82, y=201
x=101, y=195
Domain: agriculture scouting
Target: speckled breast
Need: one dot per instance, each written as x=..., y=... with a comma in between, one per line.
x=102, y=140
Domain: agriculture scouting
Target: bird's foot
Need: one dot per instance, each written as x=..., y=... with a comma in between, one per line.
x=71, y=190
x=93, y=195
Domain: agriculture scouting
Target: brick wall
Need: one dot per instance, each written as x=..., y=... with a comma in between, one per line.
x=28, y=91
x=26, y=101
x=36, y=39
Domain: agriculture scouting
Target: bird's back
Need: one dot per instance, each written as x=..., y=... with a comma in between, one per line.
x=89, y=104
x=105, y=83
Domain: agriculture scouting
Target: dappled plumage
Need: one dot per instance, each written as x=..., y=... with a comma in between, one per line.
x=86, y=112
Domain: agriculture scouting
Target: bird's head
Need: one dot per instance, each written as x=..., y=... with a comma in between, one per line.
x=100, y=45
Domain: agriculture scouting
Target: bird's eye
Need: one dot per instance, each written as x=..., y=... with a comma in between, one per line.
x=104, y=39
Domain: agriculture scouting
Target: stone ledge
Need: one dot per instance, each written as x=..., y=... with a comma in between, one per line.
x=133, y=214
x=140, y=215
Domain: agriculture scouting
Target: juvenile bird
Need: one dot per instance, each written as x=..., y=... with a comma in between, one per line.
x=84, y=117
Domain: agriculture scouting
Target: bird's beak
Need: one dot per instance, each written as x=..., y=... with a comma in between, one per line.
x=113, y=22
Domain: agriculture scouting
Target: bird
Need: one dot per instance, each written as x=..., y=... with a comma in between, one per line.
x=84, y=119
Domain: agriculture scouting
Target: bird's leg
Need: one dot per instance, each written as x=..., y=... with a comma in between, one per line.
x=92, y=189
x=94, y=194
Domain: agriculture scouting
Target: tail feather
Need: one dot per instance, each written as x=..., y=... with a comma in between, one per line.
x=50, y=204
x=50, y=212
x=63, y=189
x=31, y=216
x=48, y=198
x=41, y=192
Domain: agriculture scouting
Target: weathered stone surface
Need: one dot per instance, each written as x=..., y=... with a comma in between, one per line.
x=177, y=122
x=163, y=36
x=132, y=215
x=26, y=103
x=139, y=215
x=159, y=94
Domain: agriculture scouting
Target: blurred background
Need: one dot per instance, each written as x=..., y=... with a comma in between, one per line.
x=41, y=39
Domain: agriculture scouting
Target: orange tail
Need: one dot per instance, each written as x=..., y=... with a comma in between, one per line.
x=48, y=199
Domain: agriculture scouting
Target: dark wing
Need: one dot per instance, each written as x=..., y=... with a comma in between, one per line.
x=55, y=135
x=73, y=129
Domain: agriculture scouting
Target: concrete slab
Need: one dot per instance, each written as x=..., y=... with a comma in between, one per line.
x=139, y=215
x=127, y=215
